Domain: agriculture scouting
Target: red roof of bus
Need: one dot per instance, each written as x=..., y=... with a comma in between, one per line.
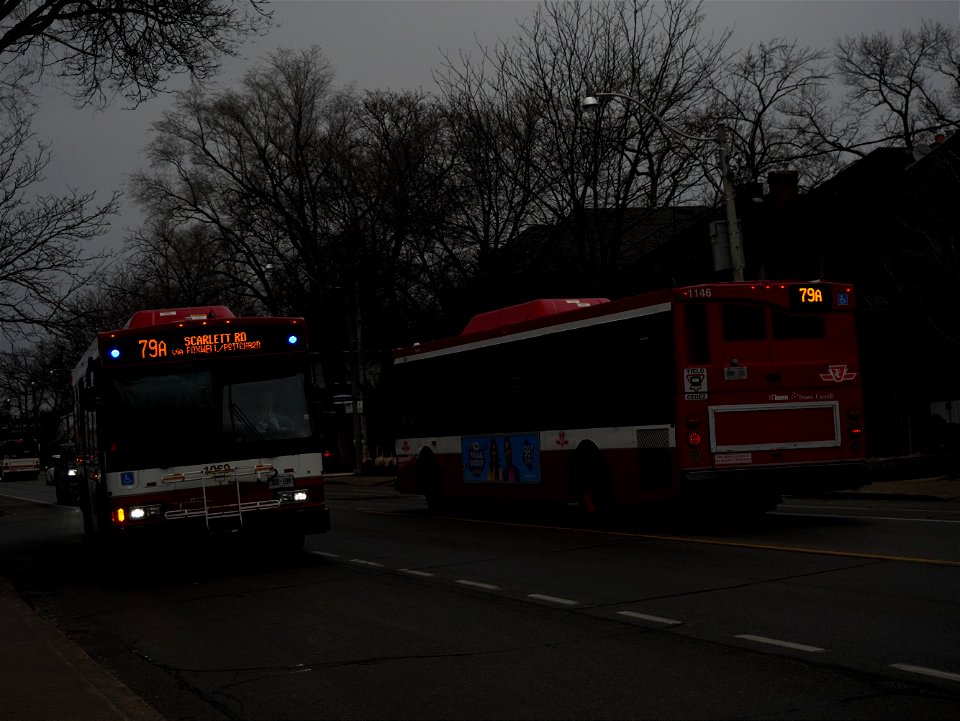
x=143, y=318
x=503, y=317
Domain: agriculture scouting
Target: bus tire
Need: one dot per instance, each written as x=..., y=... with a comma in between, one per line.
x=591, y=482
x=96, y=518
x=428, y=478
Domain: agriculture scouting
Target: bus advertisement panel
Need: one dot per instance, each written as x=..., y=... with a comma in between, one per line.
x=737, y=392
x=196, y=418
x=511, y=458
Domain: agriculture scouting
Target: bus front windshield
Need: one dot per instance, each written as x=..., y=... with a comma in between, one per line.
x=202, y=416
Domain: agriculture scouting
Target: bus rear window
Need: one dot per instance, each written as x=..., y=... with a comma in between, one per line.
x=743, y=322
x=787, y=326
x=697, y=334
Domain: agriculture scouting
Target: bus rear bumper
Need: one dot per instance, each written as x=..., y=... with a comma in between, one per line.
x=786, y=479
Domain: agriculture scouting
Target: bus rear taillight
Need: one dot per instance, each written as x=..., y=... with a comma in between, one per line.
x=855, y=432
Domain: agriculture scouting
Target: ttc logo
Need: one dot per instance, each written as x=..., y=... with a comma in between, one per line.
x=838, y=374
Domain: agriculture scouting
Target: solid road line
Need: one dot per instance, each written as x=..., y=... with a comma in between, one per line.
x=702, y=541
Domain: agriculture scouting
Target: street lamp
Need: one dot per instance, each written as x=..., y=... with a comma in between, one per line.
x=592, y=102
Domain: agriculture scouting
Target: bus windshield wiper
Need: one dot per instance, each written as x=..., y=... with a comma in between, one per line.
x=237, y=413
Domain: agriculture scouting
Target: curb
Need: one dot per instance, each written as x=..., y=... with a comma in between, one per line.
x=81, y=689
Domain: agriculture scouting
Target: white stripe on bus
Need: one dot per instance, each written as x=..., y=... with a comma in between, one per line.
x=612, y=438
x=538, y=332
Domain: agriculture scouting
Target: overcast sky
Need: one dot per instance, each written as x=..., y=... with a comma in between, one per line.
x=396, y=44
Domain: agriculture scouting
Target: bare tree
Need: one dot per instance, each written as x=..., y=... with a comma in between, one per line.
x=323, y=198
x=655, y=52
x=899, y=87
x=102, y=49
x=769, y=97
x=129, y=47
x=242, y=163
x=43, y=259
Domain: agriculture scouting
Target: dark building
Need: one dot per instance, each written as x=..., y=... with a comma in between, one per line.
x=888, y=224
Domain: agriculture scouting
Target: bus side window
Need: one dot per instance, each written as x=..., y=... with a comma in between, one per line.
x=743, y=322
x=698, y=340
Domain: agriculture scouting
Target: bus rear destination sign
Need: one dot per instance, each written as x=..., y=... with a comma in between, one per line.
x=183, y=344
x=810, y=297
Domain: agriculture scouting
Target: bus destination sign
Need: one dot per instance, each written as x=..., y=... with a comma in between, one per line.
x=811, y=296
x=158, y=345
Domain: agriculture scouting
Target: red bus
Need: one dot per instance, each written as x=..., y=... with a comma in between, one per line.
x=192, y=417
x=735, y=392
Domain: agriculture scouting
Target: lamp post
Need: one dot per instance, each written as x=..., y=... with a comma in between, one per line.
x=592, y=103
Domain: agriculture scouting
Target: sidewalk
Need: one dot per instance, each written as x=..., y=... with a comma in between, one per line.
x=934, y=488
x=44, y=675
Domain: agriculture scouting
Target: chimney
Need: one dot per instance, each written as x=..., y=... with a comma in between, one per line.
x=784, y=188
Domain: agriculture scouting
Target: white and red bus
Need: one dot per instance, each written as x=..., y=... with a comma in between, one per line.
x=194, y=418
x=19, y=457
x=735, y=392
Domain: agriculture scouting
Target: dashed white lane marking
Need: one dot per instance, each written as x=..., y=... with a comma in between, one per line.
x=646, y=617
x=361, y=562
x=927, y=671
x=553, y=599
x=413, y=572
x=477, y=584
x=325, y=554
x=782, y=644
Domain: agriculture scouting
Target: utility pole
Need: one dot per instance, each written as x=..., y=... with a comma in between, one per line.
x=733, y=226
x=591, y=103
x=356, y=378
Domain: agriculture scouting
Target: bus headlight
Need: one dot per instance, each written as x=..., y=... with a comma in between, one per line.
x=138, y=513
x=292, y=496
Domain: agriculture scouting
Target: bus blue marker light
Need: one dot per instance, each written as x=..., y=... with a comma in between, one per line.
x=292, y=340
x=114, y=353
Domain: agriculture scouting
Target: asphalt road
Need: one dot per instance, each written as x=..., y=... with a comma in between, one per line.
x=842, y=609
